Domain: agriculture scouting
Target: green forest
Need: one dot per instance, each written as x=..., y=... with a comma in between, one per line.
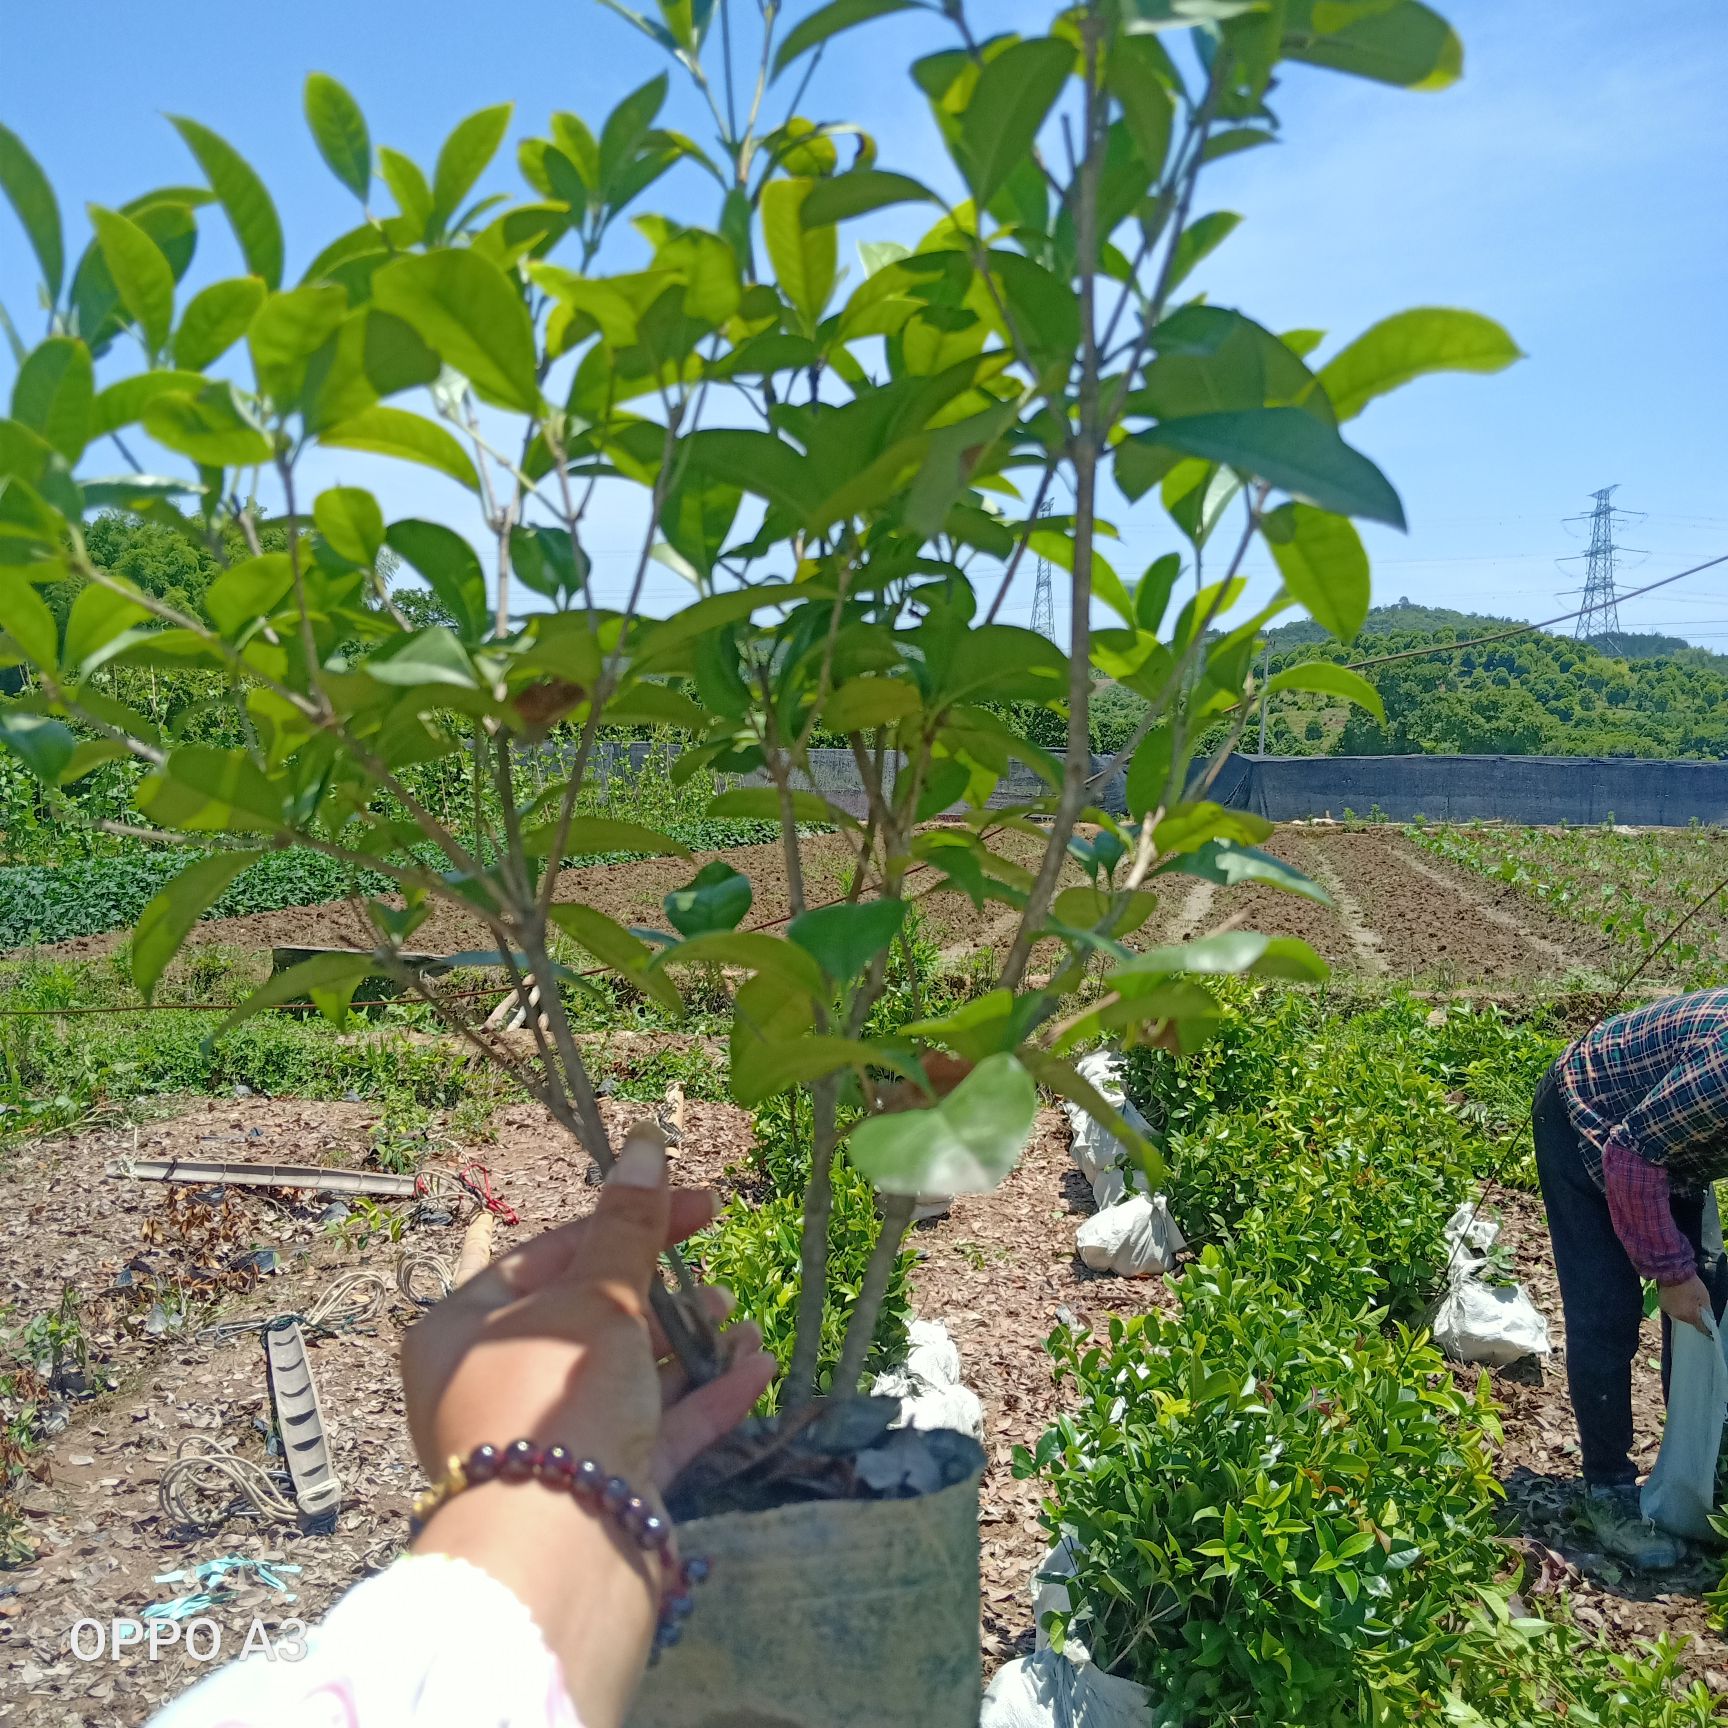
x=1532, y=695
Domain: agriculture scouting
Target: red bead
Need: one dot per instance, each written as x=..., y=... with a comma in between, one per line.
x=557, y=1467
x=521, y=1459
x=482, y=1464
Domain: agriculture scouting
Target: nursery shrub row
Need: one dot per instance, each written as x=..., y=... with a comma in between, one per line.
x=1279, y=1498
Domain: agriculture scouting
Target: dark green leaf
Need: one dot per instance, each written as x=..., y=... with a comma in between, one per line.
x=1013, y=98
x=548, y=560
x=30, y=195
x=1199, y=239
x=592, y=834
x=330, y=980
x=243, y=198
x=965, y=1144
x=215, y=319
x=844, y=939
x=140, y=273
x=1391, y=41
x=451, y=567
x=1233, y=951
x=715, y=898
x=1152, y=592
x=53, y=392
x=339, y=131
x=1321, y=558
x=1227, y=863
x=830, y=20
x=98, y=616
x=471, y=145
x=465, y=309
x=1136, y=78
x=750, y=948
x=1409, y=344
x=1292, y=451
x=167, y=921
x=44, y=746
x=864, y=189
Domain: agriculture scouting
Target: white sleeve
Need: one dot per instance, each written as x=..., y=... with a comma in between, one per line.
x=431, y=1643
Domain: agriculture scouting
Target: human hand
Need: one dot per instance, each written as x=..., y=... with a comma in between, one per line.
x=1688, y=1302
x=553, y=1342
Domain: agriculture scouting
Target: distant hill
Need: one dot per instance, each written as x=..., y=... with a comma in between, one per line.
x=1635, y=694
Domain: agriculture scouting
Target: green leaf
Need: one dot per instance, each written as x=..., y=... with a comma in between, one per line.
x=1391, y=41
x=25, y=618
x=206, y=789
x=548, y=560
x=243, y=198
x=866, y=702
x=995, y=1021
x=339, y=131
x=211, y=427
x=864, y=189
x=125, y=400
x=1227, y=954
x=1227, y=863
x=408, y=187
x=1330, y=679
x=715, y=898
x=1292, y=451
x=30, y=195
x=965, y=1144
x=142, y=276
x=1136, y=78
x=451, y=567
x=1201, y=238
x=432, y=657
x=1013, y=98
x=351, y=522
x=611, y=944
x=330, y=980
x=408, y=437
x=253, y=589
x=806, y=260
x=762, y=1066
x=750, y=948
x=167, y=920
x=844, y=939
x=98, y=616
x=762, y=804
x=464, y=308
x=830, y=20
x=1152, y=592
x=53, y=392
x=287, y=330
x=697, y=516
x=471, y=145
x=1323, y=563
x=1409, y=344
x=44, y=746
x=623, y=134
x=591, y=834
x=215, y=319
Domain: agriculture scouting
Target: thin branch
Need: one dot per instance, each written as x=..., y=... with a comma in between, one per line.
x=879, y=1269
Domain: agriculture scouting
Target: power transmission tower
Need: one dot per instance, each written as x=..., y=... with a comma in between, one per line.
x=1044, y=595
x=1599, y=617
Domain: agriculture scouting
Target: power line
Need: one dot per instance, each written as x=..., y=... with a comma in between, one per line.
x=1528, y=629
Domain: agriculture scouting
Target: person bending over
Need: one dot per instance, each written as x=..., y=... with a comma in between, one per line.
x=1631, y=1128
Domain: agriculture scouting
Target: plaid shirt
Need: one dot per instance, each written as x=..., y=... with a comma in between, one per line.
x=1655, y=1081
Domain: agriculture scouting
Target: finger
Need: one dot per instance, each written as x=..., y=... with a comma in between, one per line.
x=701, y=1417
x=630, y=1224
x=717, y=1303
x=745, y=1337
x=536, y=1263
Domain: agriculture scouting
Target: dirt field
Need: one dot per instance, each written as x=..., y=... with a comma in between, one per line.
x=1396, y=913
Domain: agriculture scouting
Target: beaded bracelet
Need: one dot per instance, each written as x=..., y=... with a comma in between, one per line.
x=590, y=1487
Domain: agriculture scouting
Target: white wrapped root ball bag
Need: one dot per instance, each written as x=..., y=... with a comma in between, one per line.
x=1136, y=1238
x=1680, y=1494
x=1493, y=1324
x=928, y=1385
x=1050, y=1596
x=931, y=1354
x=1049, y=1691
x=1113, y=1185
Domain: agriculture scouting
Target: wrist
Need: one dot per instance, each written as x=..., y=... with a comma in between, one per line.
x=592, y=1591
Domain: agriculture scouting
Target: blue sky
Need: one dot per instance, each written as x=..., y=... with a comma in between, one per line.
x=1572, y=186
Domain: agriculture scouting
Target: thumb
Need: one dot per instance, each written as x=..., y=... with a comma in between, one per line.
x=627, y=1229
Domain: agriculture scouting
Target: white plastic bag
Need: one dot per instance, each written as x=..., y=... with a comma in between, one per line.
x=1049, y=1691
x=928, y=1384
x=1113, y=1185
x=1050, y=1596
x=1680, y=1493
x=931, y=1354
x=1494, y=1324
x=1136, y=1238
